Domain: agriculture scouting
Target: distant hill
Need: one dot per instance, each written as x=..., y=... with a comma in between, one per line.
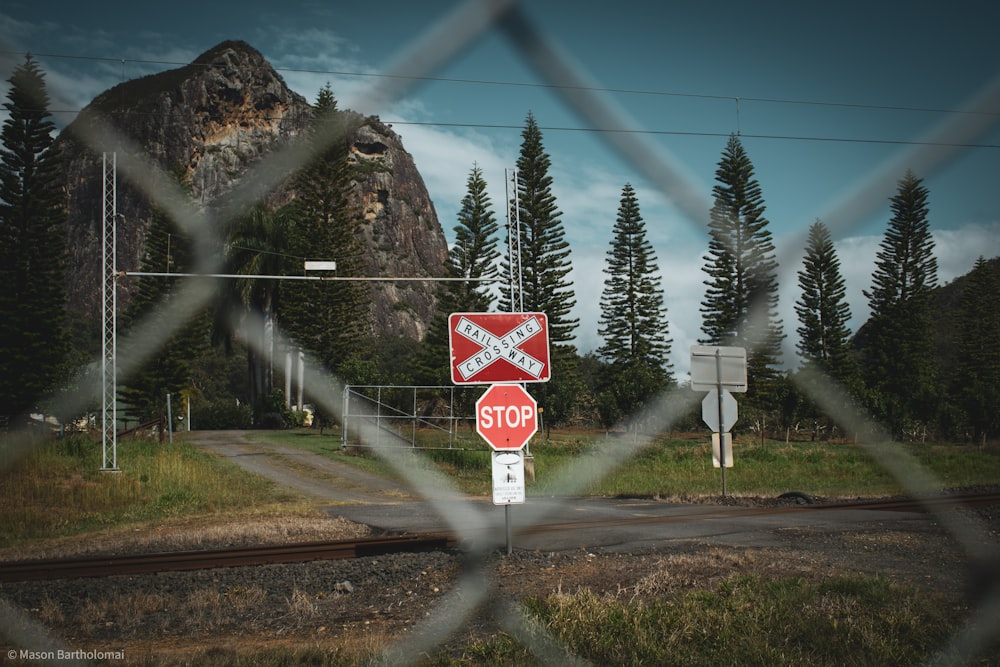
x=946, y=300
x=215, y=119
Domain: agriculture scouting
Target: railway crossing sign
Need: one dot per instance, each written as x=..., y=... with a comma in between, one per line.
x=506, y=417
x=498, y=347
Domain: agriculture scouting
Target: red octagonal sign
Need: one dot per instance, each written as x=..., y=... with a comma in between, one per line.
x=506, y=416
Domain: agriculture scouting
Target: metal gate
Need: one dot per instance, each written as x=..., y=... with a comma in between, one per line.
x=413, y=416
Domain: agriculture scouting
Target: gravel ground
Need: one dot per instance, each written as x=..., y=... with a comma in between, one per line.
x=331, y=603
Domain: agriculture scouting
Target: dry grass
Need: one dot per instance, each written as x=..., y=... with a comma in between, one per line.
x=181, y=535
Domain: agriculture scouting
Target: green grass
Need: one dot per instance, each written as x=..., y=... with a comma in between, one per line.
x=682, y=467
x=58, y=489
x=838, y=621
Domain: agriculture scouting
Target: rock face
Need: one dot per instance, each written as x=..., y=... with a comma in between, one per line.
x=213, y=121
x=400, y=227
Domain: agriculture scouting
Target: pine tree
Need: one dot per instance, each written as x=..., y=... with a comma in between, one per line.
x=898, y=341
x=822, y=308
x=741, y=300
x=976, y=379
x=474, y=256
x=34, y=348
x=633, y=318
x=545, y=267
x=326, y=318
x=545, y=263
x=169, y=370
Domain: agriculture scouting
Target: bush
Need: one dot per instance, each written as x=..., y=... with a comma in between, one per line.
x=218, y=415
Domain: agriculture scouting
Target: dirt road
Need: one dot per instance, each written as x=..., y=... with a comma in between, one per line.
x=303, y=471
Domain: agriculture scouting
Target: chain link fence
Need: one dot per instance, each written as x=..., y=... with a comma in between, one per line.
x=474, y=591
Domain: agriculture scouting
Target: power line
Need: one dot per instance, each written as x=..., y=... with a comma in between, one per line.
x=601, y=130
x=684, y=133
x=598, y=130
x=529, y=84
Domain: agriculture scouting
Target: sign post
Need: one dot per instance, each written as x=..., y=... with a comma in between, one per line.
x=719, y=371
x=506, y=418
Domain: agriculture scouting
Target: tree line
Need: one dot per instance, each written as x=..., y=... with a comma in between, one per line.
x=893, y=367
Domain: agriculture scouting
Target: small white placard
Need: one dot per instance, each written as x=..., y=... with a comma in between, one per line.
x=727, y=439
x=508, y=477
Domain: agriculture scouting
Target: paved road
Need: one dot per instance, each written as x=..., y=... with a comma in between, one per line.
x=555, y=524
x=570, y=523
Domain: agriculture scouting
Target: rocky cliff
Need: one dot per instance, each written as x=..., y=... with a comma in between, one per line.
x=212, y=121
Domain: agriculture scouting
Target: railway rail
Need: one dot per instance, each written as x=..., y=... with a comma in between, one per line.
x=102, y=566
x=99, y=566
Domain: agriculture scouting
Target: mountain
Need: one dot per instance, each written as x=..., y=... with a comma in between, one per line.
x=214, y=120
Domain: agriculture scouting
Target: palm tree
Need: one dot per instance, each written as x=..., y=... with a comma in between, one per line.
x=257, y=241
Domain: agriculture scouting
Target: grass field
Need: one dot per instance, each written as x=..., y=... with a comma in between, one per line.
x=681, y=467
x=58, y=490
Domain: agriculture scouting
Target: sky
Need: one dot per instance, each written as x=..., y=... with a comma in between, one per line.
x=833, y=103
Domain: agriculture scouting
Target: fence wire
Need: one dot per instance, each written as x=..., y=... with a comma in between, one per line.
x=474, y=592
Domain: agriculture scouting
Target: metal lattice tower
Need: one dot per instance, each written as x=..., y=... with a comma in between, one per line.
x=109, y=348
x=514, y=241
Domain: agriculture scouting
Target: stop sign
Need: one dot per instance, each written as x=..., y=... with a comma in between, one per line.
x=506, y=416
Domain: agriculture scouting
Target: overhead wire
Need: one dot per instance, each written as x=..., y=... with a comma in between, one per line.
x=611, y=90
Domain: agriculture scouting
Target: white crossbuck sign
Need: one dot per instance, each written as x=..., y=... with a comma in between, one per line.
x=493, y=348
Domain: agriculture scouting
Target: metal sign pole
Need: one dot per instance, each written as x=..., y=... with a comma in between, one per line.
x=722, y=443
x=510, y=539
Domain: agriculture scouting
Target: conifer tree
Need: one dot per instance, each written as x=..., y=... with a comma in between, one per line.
x=741, y=299
x=34, y=348
x=545, y=267
x=633, y=317
x=474, y=256
x=976, y=377
x=898, y=339
x=326, y=318
x=545, y=263
x=167, y=250
x=822, y=308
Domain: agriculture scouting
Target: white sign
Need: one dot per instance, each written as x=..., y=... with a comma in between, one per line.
x=712, y=366
x=320, y=265
x=710, y=410
x=727, y=440
x=508, y=477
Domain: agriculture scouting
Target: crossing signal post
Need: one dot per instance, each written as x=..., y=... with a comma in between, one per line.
x=719, y=371
x=506, y=418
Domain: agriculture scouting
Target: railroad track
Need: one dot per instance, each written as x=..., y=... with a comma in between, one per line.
x=99, y=566
x=102, y=566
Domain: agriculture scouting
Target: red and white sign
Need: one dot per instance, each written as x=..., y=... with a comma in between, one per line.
x=498, y=347
x=506, y=416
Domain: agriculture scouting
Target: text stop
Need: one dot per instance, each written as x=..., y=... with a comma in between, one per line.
x=506, y=416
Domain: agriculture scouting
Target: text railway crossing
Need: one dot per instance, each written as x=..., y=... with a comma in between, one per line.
x=493, y=348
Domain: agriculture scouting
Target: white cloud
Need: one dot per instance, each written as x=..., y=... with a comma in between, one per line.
x=958, y=249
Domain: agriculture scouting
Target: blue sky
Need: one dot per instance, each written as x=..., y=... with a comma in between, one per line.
x=831, y=103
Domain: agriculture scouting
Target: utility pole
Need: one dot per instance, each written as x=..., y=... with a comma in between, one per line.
x=109, y=334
